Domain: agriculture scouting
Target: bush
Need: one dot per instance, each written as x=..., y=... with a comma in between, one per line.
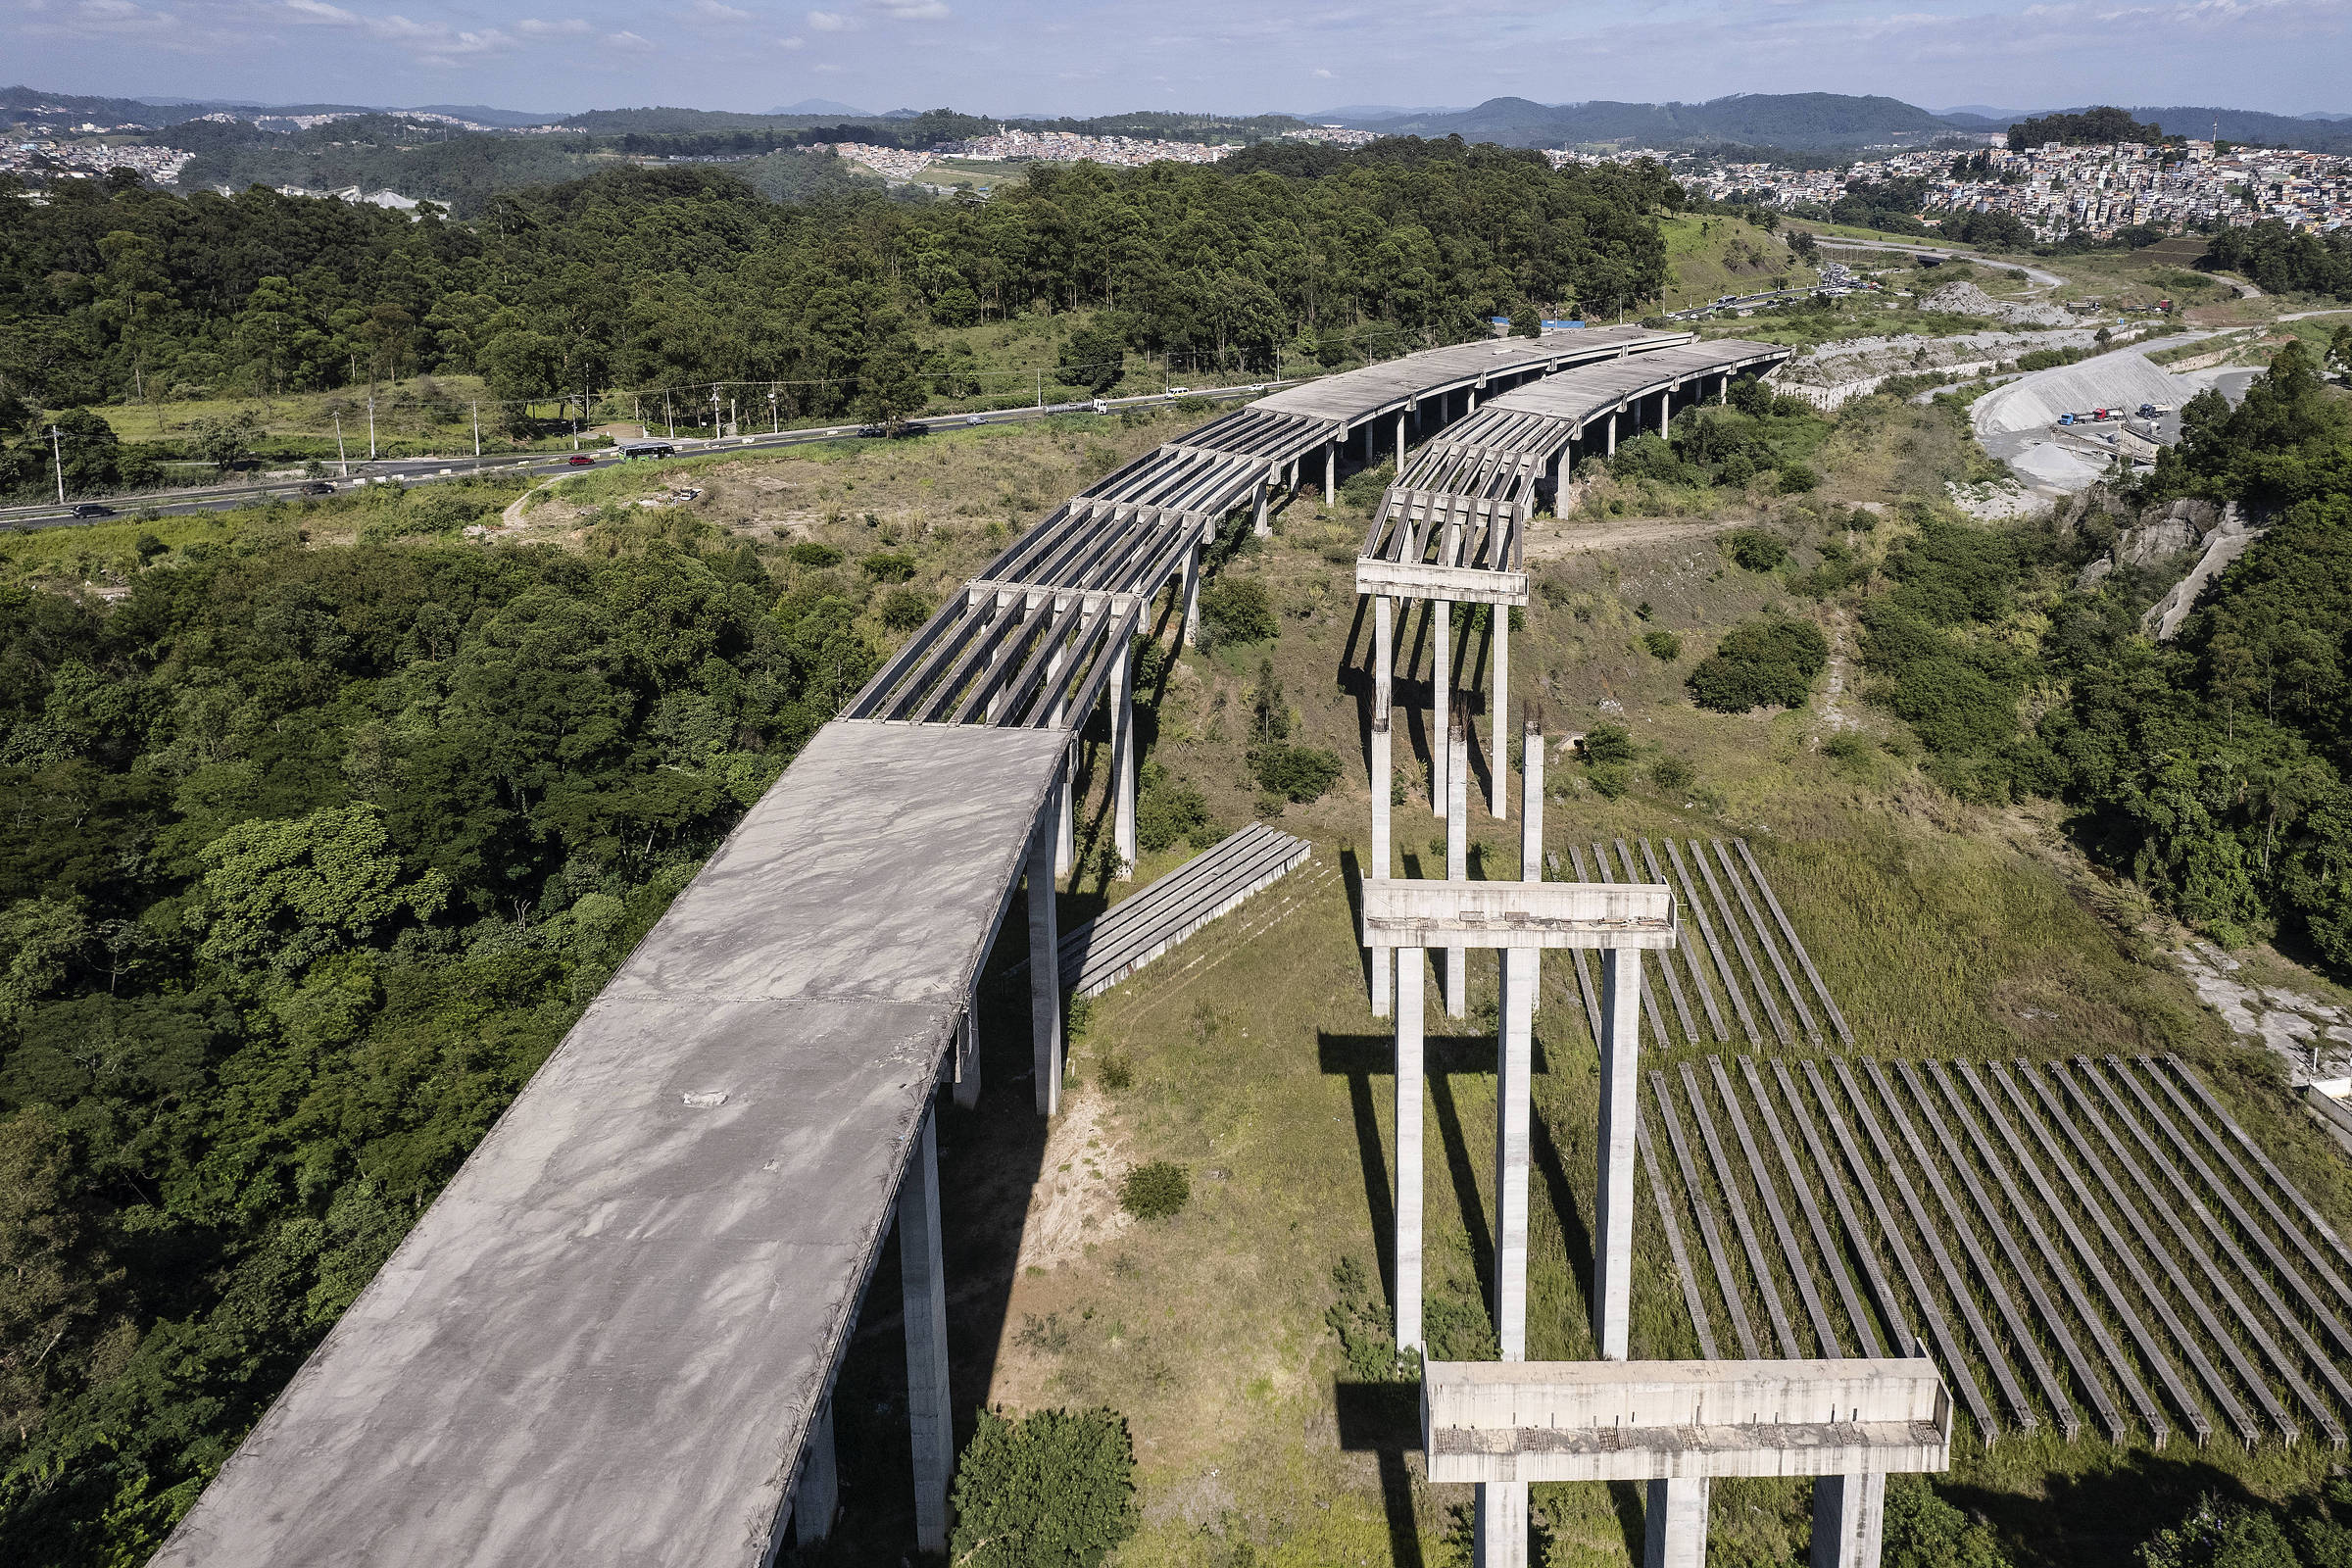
x=889, y=567
x=1953, y=705
x=1052, y=1489
x=1767, y=663
x=809, y=553
x=1755, y=549
x=1796, y=477
x=1672, y=773
x=1169, y=812
x=1300, y=774
x=1157, y=1190
x=1608, y=743
x=1237, y=609
x=1923, y=1531
x=1611, y=780
x=903, y=610
x=1363, y=488
x=1114, y=1074
x=1648, y=457
x=1663, y=645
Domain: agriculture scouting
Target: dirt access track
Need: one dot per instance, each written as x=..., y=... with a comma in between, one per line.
x=1550, y=541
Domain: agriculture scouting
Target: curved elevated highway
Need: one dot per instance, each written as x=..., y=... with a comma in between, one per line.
x=613, y=1338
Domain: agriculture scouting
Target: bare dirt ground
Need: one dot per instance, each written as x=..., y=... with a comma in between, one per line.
x=1551, y=540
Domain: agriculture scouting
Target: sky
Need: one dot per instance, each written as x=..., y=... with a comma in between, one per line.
x=1019, y=57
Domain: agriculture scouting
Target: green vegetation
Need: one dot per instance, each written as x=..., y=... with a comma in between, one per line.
x=1051, y=1489
x=1236, y=610
x=2090, y=128
x=1755, y=549
x=1663, y=645
x=1768, y=662
x=2285, y=261
x=1156, y=1191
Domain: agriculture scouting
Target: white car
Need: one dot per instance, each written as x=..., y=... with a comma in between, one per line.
x=1179, y=391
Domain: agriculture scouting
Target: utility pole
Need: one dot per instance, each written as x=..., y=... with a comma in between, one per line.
x=775, y=423
x=371, y=427
x=734, y=419
x=477, y=430
x=343, y=459
x=667, y=421
x=715, y=413
x=57, y=460
x=1041, y=389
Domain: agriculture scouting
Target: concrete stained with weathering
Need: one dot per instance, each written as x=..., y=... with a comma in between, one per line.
x=604, y=1342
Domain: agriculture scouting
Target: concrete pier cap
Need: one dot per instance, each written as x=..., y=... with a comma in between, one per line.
x=1490, y=1421
x=1519, y=915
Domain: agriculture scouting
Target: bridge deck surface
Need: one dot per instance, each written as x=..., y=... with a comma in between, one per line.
x=1355, y=395
x=604, y=1342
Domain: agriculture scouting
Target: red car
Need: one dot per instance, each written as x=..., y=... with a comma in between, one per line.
x=581, y=460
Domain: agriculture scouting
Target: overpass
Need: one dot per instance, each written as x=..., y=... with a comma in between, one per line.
x=613, y=1338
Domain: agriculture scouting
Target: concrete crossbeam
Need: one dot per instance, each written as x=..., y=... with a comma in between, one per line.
x=1519, y=915
x=1462, y=585
x=1641, y=1420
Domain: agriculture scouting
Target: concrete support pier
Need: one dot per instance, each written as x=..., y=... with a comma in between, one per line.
x=1514, y=1057
x=1412, y=967
x=929, y=1415
x=1065, y=845
x=1379, y=865
x=1045, y=973
x=1331, y=472
x=819, y=1496
x=1191, y=595
x=1122, y=759
x=1441, y=696
x=1258, y=524
x=1620, y=1110
x=1674, y=1529
x=1458, y=857
x=1498, y=711
x=1499, y=1531
x=1850, y=1520
x=967, y=1053
x=1401, y=443
x=1530, y=796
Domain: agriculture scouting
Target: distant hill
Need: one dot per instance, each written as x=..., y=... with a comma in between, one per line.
x=2250, y=124
x=821, y=106
x=484, y=115
x=1807, y=120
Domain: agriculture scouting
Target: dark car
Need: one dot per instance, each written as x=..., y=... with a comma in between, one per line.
x=91, y=509
x=581, y=460
x=318, y=487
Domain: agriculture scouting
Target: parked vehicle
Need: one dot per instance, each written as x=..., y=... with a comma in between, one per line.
x=2065, y=418
x=581, y=460
x=318, y=487
x=1099, y=406
x=91, y=509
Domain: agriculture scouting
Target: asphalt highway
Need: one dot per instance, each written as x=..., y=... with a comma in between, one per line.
x=540, y=464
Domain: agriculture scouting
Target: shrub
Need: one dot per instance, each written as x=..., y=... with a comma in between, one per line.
x=904, y=609
x=1168, y=811
x=1157, y=1190
x=1610, y=780
x=1362, y=1321
x=1608, y=743
x=1798, y=477
x=1363, y=488
x=1114, y=1074
x=1923, y=1531
x=1051, y=1489
x=1300, y=774
x=1755, y=549
x=1647, y=457
x=1767, y=663
x=889, y=567
x=1672, y=773
x=1237, y=609
x=809, y=553
x=1663, y=645
x=1953, y=705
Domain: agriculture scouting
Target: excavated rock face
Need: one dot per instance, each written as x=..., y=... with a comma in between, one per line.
x=2154, y=540
x=1964, y=297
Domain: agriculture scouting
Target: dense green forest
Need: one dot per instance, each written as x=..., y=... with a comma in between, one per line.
x=311, y=855
x=647, y=279
x=2284, y=260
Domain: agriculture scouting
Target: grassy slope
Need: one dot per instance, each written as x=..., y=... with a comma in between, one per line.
x=1255, y=1063
x=1708, y=257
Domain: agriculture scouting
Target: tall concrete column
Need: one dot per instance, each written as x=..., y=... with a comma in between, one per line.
x=1383, y=983
x=1441, y=696
x=1457, y=855
x=1675, y=1528
x=1665, y=409
x=924, y=1296
x=1065, y=842
x=1513, y=1060
x=1259, y=525
x=1850, y=1520
x=1723, y=388
x=1122, y=759
x=1191, y=595
x=1331, y=470
x=1412, y=964
x=1531, y=798
x=1498, y=723
x=819, y=1496
x=967, y=1053
x=1499, y=1526
x=1612, y=450
x=1045, y=977
x=1620, y=1109
x=1400, y=443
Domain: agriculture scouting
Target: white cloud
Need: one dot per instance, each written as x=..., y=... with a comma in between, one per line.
x=1324, y=74
x=569, y=27
x=712, y=10
x=433, y=43
x=795, y=42
x=909, y=10
x=828, y=22
x=633, y=43
x=120, y=17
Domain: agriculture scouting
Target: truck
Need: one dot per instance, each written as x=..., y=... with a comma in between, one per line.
x=2154, y=410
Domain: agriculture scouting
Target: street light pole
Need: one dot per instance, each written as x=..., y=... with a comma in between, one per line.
x=56, y=460
x=775, y=425
x=715, y=413
x=343, y=459
x=477, y=430
x=371, y=427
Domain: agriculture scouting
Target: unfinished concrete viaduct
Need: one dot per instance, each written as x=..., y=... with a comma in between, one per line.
x=614, y=1337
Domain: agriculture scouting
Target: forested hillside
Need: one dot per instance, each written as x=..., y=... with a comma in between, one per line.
x=311, y=855
x=665, y=278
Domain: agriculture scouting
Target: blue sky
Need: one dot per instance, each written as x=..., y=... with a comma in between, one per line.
x=1027, y=56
